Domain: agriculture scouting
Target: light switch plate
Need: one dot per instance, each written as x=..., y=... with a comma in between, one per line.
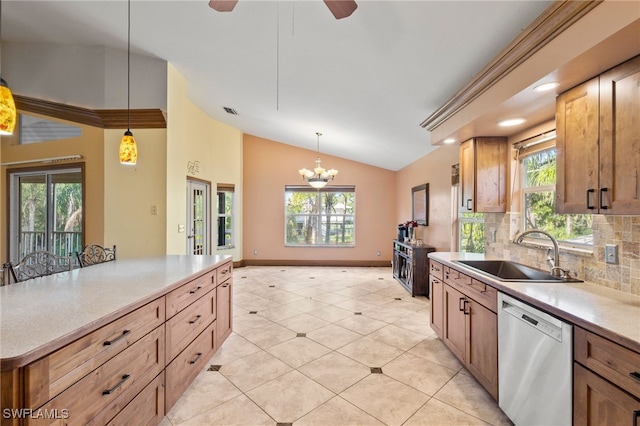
x=611, y=253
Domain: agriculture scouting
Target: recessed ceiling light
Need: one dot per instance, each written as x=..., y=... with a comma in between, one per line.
x=511, y=122
x=546, y=86
x=449, y=140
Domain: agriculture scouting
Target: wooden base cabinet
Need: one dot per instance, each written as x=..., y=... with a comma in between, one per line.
x=463, y=315
x=606, y=381
x=437, y=295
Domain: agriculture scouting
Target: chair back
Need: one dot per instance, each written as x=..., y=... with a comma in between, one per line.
x=37, y=264
x=95, y=253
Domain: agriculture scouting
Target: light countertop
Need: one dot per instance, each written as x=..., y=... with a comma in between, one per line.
x=604, y=311
x=38, y=311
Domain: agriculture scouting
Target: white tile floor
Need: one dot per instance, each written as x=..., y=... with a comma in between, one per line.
x=308, y=352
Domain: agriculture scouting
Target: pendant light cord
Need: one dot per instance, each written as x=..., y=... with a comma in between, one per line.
x=129, y=66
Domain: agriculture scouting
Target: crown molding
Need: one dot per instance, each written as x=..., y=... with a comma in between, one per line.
x=559, y=16
x=102, y=118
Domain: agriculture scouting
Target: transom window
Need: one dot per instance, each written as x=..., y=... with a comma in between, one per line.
x=324, y=217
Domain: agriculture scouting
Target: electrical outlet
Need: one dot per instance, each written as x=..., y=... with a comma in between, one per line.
x=378, y=253
x=255, y=252
x=611, y=253
x=180, y=228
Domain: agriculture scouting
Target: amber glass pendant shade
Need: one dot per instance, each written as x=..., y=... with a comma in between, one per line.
x=7, y=110
x=128, y=149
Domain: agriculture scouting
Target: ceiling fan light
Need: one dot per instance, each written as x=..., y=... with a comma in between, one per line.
x=8, y=112
x=128, y=151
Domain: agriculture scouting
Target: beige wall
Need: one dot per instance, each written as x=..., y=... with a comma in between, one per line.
x=269, y=166
x=193, y=136
x=90, y=145
x=434, y=169
x=132, y=192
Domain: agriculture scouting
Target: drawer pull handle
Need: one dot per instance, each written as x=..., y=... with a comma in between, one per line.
x=193, y=321
x=464, y=308
x=602, y=191
x=120, y=383
x=198, y=355
x=196, y=289
x=226, y=285
x=461, y=304
x=636, y=416
x=635, y=375
x=111, y=342
x=590, y=206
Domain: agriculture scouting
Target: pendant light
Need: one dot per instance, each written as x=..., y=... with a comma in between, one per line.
x=128, y=150
x=8, y=112
x=319, y=177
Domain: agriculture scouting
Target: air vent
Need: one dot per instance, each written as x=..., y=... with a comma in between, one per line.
x=230, y=111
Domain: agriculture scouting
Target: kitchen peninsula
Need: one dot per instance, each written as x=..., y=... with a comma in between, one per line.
x=112, y=342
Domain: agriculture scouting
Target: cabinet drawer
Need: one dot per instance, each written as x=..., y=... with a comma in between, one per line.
x=51, y=375
x=483, y=294
x=456, y=278
x=146, y=409
x=183, y=370
x=615, y=363
x=224, y=272
x=98, y=397
x=436, y=269
x=188, y=293
x=187, y=324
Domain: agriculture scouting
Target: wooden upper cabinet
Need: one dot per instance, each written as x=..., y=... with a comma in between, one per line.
x=483, y=175
x=620, y=139
x=598, y=144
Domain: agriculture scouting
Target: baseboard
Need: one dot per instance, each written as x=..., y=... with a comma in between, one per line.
x=311, y=262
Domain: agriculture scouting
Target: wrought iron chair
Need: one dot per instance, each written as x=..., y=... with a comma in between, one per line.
x=37, y=264
x=95, y=253
x=4, y=272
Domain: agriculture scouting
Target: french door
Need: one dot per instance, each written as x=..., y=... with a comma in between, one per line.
x=45, y=208
x=198, y=217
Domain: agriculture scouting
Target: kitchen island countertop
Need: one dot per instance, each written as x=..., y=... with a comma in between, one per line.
x=40, y=314
x=610, y=313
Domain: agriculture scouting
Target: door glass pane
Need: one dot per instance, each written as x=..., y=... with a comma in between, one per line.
x=33, y=214
x=66, y=192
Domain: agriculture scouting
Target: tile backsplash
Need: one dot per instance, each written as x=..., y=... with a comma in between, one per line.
x=622, y=231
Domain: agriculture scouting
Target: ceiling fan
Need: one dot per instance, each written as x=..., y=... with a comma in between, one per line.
x=339, y=8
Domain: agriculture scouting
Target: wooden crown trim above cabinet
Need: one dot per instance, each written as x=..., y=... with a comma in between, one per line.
x=150, y=118
x=559, y=16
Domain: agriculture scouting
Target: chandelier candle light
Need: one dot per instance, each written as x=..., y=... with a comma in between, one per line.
x=319, y=177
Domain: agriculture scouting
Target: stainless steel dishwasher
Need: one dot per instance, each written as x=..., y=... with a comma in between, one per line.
x=535, y=359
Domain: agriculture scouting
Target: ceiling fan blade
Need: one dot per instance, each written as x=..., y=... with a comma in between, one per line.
x=341, y=8
x=223, y=5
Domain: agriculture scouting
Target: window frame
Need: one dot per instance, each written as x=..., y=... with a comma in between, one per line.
x=523, y=152
x=319, y=214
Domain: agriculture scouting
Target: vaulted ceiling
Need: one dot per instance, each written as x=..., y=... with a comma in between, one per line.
x=290, y=69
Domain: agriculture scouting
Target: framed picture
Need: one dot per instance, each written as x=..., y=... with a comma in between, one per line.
x=420, y=204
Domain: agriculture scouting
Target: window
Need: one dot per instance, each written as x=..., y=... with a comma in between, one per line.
x=46, y=212
x=471, y=232
x=539, y=195
x=225, y=216
x=324, y=217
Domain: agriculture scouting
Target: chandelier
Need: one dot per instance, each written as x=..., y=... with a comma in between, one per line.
x=318, y=177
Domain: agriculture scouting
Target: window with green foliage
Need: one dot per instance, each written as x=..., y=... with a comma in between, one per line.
x=324, y=217
x=471, y=232
x=539, y=196
x=225, y=215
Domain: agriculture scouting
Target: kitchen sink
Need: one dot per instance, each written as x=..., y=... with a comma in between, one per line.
x=506, y=270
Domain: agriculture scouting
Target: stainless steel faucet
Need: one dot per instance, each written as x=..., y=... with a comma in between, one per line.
x=556, y=270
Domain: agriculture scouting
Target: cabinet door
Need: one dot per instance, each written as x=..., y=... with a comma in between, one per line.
x=223, y=319
x=577, y=149
x=491, y=175
x=437, y=295
x=482, y=345
x=454, y=336
x=467, y=176
x=619, y=139
x=598, y=402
